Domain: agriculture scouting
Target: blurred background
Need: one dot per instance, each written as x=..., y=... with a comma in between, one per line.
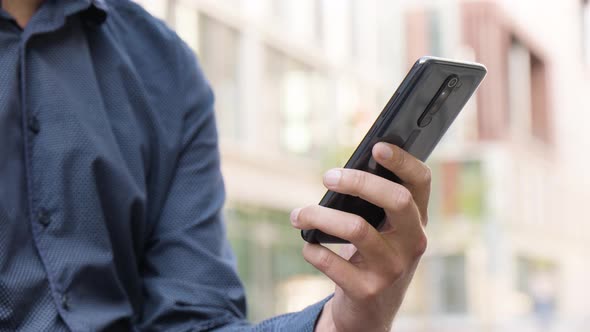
x=299, y=82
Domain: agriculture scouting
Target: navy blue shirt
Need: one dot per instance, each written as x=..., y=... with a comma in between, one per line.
x=110, y=185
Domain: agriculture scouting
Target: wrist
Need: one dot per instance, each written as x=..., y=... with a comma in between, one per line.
x=325, y=322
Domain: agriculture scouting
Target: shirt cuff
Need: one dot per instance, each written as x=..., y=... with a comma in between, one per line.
x=310, y=315
x=304, y=320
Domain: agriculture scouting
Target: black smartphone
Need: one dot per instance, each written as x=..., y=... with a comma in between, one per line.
x=415, y=118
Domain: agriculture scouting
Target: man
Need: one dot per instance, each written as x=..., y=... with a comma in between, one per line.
x=111, y=192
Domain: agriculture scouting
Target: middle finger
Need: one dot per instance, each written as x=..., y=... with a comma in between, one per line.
x=344, y=225
x=391, y=196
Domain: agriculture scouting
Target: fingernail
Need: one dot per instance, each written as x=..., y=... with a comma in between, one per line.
x=294, y=215
x=332, y=177
x=384, y=152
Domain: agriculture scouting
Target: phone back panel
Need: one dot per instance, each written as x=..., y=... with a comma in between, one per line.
x=398, y=124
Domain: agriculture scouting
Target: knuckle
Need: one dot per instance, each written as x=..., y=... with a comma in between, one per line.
x=323, y=260
x=306, y=252
x=307, y=214
x=303, y=215
x=421, y=245
x=358, y=180
x=426, y=176
x=359, y=229
x=371, y=290
x=395, y=270
x=403, y=198
x=400, y=161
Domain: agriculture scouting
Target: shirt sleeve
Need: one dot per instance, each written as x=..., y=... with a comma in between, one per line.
x=188, y=270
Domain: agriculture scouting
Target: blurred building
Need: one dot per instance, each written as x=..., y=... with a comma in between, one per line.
x=508, y=177
x=299, y=82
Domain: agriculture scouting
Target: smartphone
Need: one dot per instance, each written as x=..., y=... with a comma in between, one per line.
x=416, y=117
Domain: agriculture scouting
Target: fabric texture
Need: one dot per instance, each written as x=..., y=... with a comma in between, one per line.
x=110, y=183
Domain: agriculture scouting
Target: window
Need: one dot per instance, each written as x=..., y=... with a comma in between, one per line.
x=218, y=47
x=513, y=102
x=289, y=102
x=519, y=89
x=527, y=94
x=448, y=284
x=439, y=288
x=458, y=191
x=540, y=128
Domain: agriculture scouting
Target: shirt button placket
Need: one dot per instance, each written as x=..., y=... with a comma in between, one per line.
x=34, y=125
x=39, y=214
x=43, y=217
x=65, y=302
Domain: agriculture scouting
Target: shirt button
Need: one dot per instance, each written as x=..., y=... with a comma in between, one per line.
x=43, y=217
x=65, y=302
x=34, y=125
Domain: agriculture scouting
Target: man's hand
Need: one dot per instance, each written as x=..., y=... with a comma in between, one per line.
x=373, y=276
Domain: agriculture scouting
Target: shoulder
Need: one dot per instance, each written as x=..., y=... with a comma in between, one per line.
x=154, y=49
x=128, y=17
x=150, y=43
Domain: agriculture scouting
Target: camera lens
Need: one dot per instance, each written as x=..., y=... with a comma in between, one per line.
x=453, y=82
x=425, y=121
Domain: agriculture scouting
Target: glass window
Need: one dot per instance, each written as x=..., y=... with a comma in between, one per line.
x=458, y=191
x=295, y=109
x=527, y=91
x=218, y=46
x=289, y=98
x=471, y=196
x=447, y=275
x=519, y=89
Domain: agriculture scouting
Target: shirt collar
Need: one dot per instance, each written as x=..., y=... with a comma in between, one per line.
x=92, y=11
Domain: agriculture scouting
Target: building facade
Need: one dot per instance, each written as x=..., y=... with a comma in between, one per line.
x=298, y=83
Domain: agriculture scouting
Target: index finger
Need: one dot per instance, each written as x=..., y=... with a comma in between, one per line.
x=415, y=175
